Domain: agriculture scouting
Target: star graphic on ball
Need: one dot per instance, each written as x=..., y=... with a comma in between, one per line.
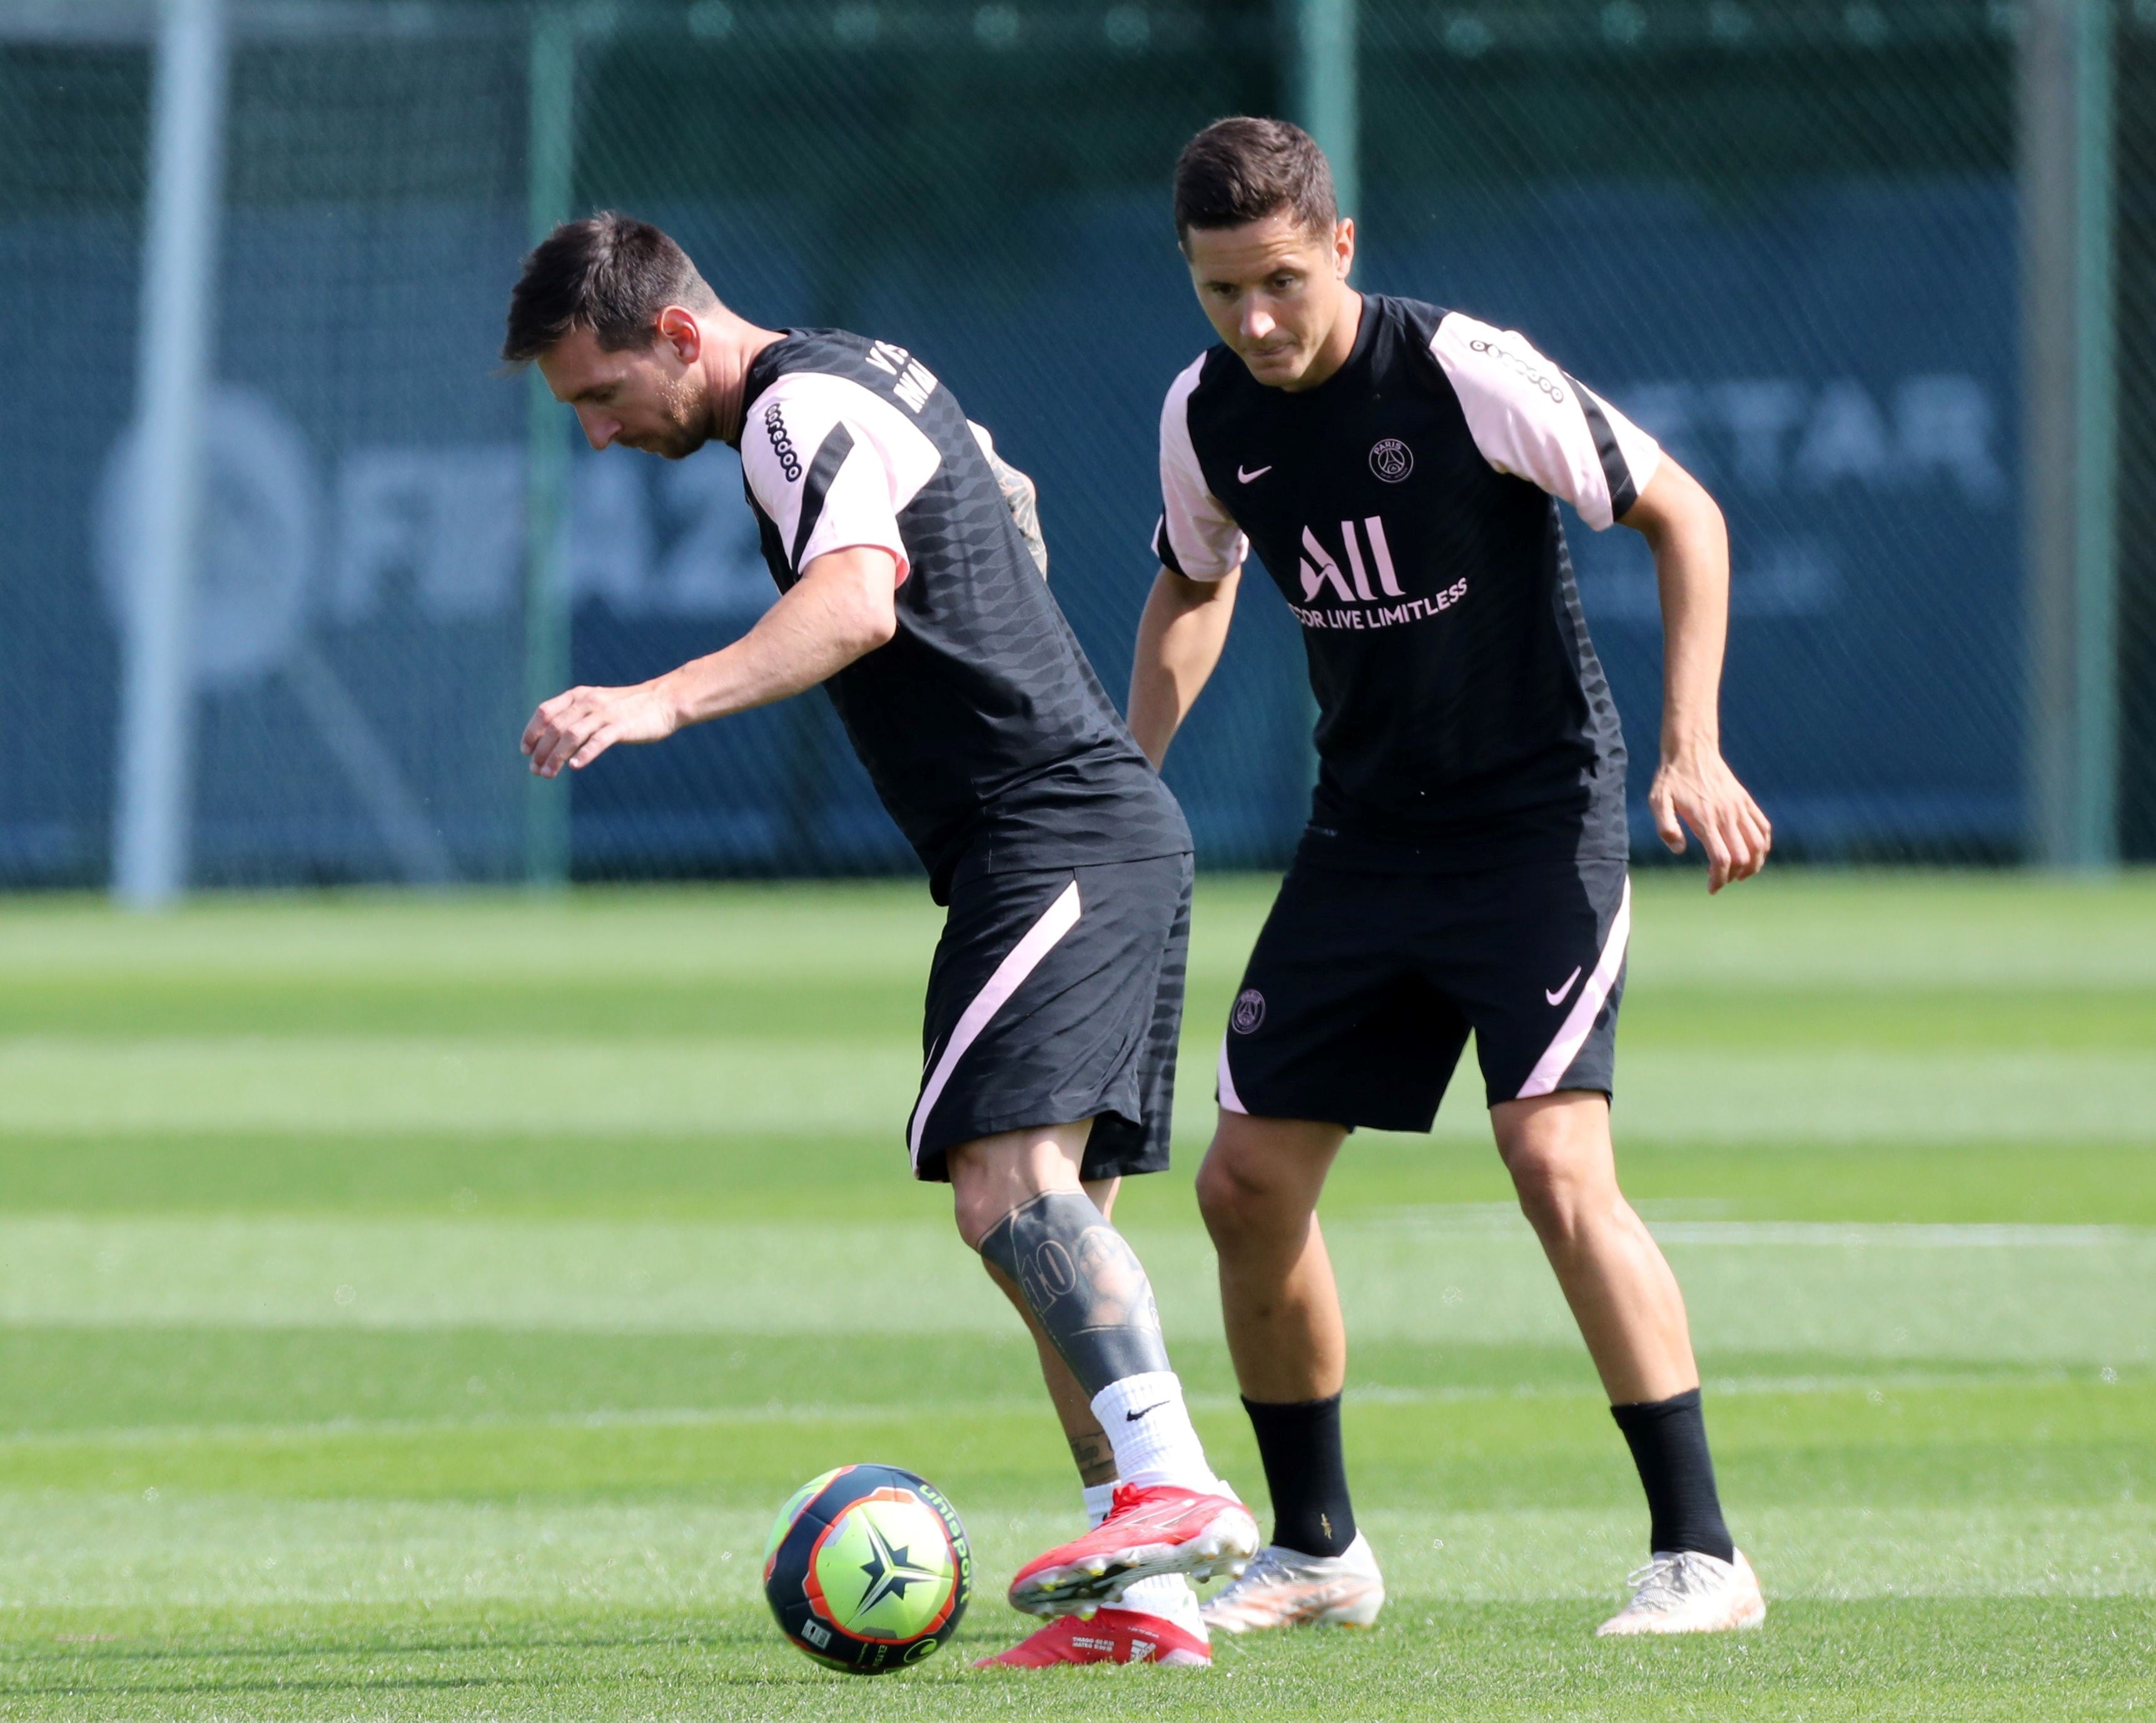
x=889, y=1570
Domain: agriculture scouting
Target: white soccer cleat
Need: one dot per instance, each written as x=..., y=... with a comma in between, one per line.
x=1285, y=1588
x=1685, y=1592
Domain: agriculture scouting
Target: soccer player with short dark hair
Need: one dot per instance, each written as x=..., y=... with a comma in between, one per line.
x=1397, y=467
x=909, y=570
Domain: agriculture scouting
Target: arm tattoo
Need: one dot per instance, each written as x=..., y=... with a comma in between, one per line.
x=1023, y=497
x=1084, y=1284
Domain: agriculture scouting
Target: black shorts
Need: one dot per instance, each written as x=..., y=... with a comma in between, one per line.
x=1057, y=996
x=1363, y=986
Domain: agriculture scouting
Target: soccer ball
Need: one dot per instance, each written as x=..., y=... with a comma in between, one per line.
x=868, y=1569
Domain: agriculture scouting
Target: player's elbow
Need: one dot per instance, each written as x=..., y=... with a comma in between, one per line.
x=1676, y=508
x=1706, y=520
x=867, y=615
x=875, y=624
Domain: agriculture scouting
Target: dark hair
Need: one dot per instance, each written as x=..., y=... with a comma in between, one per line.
x=1244, y=170
x=610, y=273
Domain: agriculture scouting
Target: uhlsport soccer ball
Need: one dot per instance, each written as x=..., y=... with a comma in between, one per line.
x=868, y=1569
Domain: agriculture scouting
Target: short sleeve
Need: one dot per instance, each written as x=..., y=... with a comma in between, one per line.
x=1197, y=537
x=1532, y=420
x=832, y=464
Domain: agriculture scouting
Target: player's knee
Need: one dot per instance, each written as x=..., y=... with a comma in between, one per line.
x=1234, y=1199
x=976, y=1205
x=1554, y=1193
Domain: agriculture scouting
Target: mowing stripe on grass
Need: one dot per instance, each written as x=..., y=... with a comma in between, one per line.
x=236, y=1550
x=1023, y=1395
x=2035, y=1295
x=296, y=1085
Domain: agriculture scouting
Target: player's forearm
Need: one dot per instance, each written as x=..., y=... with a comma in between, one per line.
x=830, y=619
x=1693, y=576
x=1691, y=545
x=1180, y=636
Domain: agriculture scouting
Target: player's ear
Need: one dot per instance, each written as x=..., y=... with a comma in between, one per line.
x=1343, y=246
x=679, y=329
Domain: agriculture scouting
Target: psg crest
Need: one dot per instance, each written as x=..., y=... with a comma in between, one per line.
x=1249, y=1011
x=1391, y=459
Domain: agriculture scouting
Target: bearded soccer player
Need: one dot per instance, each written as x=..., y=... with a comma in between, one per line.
x=911, y=587
x=1397, y=467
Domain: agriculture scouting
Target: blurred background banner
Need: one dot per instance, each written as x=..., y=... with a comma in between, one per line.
x=1877, y=273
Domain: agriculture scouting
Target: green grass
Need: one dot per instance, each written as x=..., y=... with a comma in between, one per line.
x=417, y=1307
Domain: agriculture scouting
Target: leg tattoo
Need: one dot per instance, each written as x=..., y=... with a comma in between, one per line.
x=1085, y=1285
x=1096, y=1457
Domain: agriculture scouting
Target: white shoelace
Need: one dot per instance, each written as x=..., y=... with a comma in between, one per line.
x=1666, y=1582
x=1265, y=1569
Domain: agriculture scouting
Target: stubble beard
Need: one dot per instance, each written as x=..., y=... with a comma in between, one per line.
x=688, y=410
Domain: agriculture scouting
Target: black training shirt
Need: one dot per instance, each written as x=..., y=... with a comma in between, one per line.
x=1406, y=508
x=988, y=736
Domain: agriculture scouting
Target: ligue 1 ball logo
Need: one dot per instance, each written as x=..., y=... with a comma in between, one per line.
x=1250, y=1011
x=1391, y=459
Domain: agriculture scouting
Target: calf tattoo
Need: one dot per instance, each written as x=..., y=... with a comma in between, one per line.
x=1085, y=1284
x=1096, y=1457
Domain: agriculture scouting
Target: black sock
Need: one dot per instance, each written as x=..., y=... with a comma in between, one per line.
x=1307, y=1475
x=1668, y=1439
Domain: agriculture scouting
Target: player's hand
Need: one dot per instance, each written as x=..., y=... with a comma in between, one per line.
x=575, y=729
x=1698, y=789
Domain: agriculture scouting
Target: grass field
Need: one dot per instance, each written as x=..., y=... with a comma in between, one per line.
x=416, y=1308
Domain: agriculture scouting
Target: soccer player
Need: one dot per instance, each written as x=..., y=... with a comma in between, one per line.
x=910, y=590
x=1397, y=469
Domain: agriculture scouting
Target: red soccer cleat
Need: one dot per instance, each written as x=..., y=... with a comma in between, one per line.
x=1160, y=1529
x=1112, y=1636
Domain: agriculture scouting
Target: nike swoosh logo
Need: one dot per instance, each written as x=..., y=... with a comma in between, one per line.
x=1259, y=474
x=1132, y=1417
x=1555, y=996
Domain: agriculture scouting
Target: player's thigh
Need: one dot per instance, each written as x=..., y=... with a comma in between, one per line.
x=1334, y=1022
x=1535, y=961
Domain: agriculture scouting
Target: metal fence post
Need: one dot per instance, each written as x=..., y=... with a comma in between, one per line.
x=155, y=775
x=1326, y=87
x=551, y=160
x=2070, y=453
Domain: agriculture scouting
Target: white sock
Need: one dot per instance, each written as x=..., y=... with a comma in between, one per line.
x=1169, y=1597
x=1149, y=1427
x=1166, y=1595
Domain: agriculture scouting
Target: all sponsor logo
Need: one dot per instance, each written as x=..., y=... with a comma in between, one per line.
x=1337, y=597
x=1319, y=569
x=782, y=444
x=1391, y=459
x=1250, y=1011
